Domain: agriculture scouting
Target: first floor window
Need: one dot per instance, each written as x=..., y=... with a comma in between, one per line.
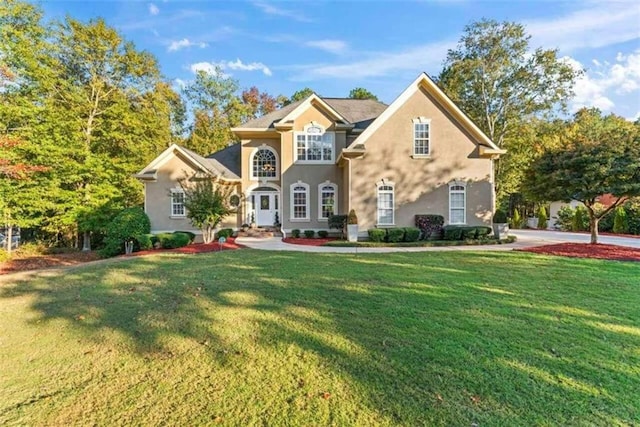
x=457, y=196
x=177, y=203
x=385, y=204
x=328, y=200
x=300, y=201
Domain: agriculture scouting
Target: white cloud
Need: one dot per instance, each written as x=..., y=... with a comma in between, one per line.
x=212, y=67
x=153, y=9
x=600, y=24
x=331, y=46
x=179, y=83
x=419, y=58
x=596, y=87
x=184, y=43
x=270, y=9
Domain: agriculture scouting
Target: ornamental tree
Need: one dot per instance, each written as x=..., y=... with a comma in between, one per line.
x=601, y=155
x=207, y=203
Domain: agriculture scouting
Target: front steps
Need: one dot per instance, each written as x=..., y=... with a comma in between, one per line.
x=260, y=232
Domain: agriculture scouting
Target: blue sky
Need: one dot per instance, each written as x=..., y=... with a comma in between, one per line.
x=334, y=46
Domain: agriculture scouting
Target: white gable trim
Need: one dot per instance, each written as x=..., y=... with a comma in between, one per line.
x=424, y=81
x=304, y=106
x=167, y=154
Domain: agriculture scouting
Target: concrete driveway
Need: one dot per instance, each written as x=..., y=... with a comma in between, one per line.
x=526, y=239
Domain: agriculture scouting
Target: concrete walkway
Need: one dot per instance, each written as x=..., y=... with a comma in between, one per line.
x=526, y=239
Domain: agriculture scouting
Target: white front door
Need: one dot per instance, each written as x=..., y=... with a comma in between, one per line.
x=265, y=208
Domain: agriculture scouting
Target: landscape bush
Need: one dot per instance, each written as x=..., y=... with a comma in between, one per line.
x=309, y=234
x=295, y=233
x=143, y=242
x=632, y=208
x=542, y=218
x=376, y=234
x=430, y=225
x=323, y=234
x=395, y=235
x=462, y=232
x=173, y=240
x=411, y=234
x=337, y=221
x=580, y=219
x=225, y=232
x=500, y=217
x=620, y=224
x=191, y=235
x=128, y=224
x=516, y=221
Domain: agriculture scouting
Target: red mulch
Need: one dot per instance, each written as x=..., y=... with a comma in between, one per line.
x=586, y=250
x=39, y=262
x=308, y=242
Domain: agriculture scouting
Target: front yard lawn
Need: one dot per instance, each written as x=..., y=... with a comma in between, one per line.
x=287, y=338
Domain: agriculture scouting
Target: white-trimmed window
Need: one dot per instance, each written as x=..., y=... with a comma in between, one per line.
x=264, y=163
x=421, y=136
x=177, y=203
x=300, y=201
x=457, y=203
x=386, y=199
x=314, y=145
x=327, y=200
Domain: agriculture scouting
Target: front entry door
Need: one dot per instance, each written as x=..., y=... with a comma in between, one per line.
x=265, y=209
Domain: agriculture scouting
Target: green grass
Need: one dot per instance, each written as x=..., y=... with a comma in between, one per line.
x=265, y=338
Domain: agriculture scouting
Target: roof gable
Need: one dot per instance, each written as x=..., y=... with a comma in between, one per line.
x=424, y=81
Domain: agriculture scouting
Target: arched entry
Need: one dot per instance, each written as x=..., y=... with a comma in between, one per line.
x=263, y=205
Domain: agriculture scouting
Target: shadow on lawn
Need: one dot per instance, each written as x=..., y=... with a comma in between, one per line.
x=425, y=338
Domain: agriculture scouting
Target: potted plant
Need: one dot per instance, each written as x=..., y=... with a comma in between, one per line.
x=500, y=224
x=253, y=220
x=276, y=221
x=352, y=226
x=245, y=227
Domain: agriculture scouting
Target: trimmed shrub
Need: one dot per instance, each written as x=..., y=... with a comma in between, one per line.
x=337, y=221
x=173, y=240
x=323, y=234
x=309, y=234
x=395, y=235
x=430, y=225
x=411, y=234
x=516, y=221
x=225, y=232
x=295, y=233
x=542, y=218
x=143, y=242
x=461, y=232
x=352, y=218
x=632, y=209
x=580, y=219
x=500, y=217
x=565, y=218
x=191, y=235
x=124, y=227
x=376, y=234
x=620, y=224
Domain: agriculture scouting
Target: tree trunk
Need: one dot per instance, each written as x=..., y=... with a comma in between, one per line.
x=593, y=225
x=208, y=234
x=86, y=241
x=9, y=237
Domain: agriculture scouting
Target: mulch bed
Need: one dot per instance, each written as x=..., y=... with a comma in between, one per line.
x=586, y=250
x=39, y=262
x=308, y=242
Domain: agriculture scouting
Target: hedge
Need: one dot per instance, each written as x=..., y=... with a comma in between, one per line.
x=144, y=242
x=395, y=235
x=411, y=234
x=295, y=233
x=323, y=234
x=309, y=234
x=462, y=232
x=225, y=232
x=173, y=240
x=376, y=234
x=191, y=235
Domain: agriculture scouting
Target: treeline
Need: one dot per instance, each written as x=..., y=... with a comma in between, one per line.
x=82, y=109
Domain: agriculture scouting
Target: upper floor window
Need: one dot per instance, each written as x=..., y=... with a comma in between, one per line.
x=421, y=136
x=177, y=202
x=385, y=203
x=314, y=145
x=264, y=163
x=299, y=201
x=327, y=199
x=457, y=203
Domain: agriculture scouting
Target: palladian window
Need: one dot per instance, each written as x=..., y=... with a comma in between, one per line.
x=264, y=164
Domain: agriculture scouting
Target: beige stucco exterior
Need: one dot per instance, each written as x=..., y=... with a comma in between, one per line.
x=380, y=153
x=421, y=183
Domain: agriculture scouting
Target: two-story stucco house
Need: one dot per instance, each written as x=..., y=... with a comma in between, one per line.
x=419, y=155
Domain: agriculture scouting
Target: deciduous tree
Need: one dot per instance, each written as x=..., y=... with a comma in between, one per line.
x=207, y=203
x=601, y=155
x=361, y=93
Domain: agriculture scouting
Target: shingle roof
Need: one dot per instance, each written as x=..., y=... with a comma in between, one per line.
x=360, y=112
x=229, y=158
x=216, y=166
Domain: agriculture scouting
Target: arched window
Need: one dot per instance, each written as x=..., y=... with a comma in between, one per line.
x=300, y=201
x=457, y=203
x=264, y=163
x=386, y=202
x=327, y=200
